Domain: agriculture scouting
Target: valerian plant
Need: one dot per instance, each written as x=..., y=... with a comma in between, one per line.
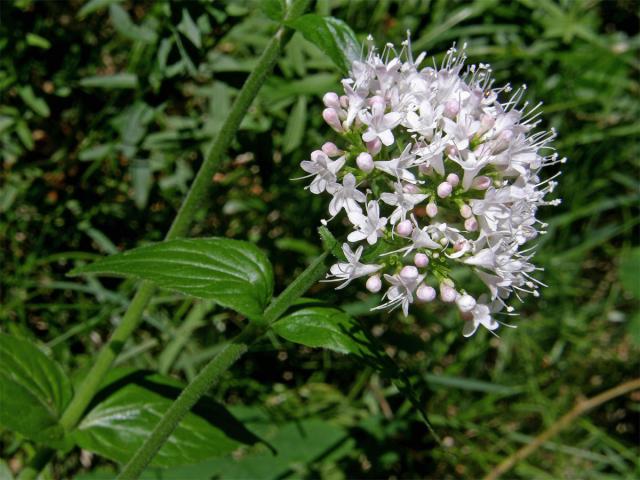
x=435, y=167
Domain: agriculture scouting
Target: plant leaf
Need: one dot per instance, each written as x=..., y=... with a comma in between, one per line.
x=111, y=82
x=33, y=390
x=274, y=9
x=232, y=273
x=131, y=404
x=326, y=327
x=332, y=36
x=629, y=271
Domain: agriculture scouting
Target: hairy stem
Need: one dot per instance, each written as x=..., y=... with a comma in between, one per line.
x=180, y=226
x=207, y=377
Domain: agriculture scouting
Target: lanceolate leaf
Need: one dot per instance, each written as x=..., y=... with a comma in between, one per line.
x=332, y=36
x=326, y=327
x=232, y=273
x=33, y=390
x=130, y=406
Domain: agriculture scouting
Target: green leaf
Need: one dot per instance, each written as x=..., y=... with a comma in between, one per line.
x=36, y=104
x=232, y=273
x=34, y=40
x=131, y=404
x=34, y=390
x=111, y=82
x=94, y=5
x=629, y=271
x=294, y=132
x=332, y=36
x=326, y=327
x=127, y=28
x=189, y=28
x=274, y=9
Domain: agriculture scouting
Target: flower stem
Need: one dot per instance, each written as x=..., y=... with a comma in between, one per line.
x=207, y=377
x=180, y=226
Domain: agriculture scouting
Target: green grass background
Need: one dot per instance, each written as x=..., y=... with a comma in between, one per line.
x=93, y=166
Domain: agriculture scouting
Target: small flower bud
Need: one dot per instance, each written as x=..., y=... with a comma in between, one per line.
x=410, y=188
x=451, y=151
x=331, y=100
x=432, y=209
x=448, y=294
x=481, y=183
x=421, y=260
x=330, y=116
x=453, y=179
x=451, y=108
x=330, y=149
x=409, y=273
x=404, y=228
x=364, y=162
x=465, y=211
x=486, y=123
x=466, y=303
x=425, y=293
x=425, y=169
x=377, y=99
x=502, y=141
x=344, y=101
x=459, y=245
x=444, y=189
x=374, y=146
x=471, y=224
x=374, y=284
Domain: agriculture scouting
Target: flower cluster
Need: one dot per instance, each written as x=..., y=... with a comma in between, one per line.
x=436, y=171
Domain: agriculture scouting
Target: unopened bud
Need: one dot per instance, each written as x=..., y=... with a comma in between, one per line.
x=374, y=146
x=410, y=188
x=331, y=100
x=465, y=211
x=432, y=209
x=451, y=151
x=404, y=228
x=444, y=189
x=425, y=293
x=448, y=294
x=471, y=224
x=374, y=284
x=421, y=260
x=344, y=101
x=451, y=108
x=330, y=149
x=409, y=273
x=466, y=303
x=377, y=99
x=502, y=141
x=365, y=162
x=453, y=179
x=330, y=116
x=486, y=123
x=481, y=183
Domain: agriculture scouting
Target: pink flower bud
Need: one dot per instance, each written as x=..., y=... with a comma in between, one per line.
x=374, y=284
x=425, y=293
x=481, y=183
x=330, y=149
x=471, y=224
x=466, y=303
x=448, y=294
x=330, y=116
x=453, y=179
x=411, y=188
x=432, y=209
x=404, y=228
x=451, y=151
x=374, y=146
x=421, y=260
x=409, y=273
x=331, y=100
x=486, y=123
x=451, y=108
x=444, y=189
x=365, y=162
x=344, y=101
x=502, y=141
x=377, y=99
x=465, y=211
x=425, y=169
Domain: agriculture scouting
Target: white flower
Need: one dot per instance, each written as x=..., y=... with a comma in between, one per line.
x=399, y=167
x=347, y=271
x=480, y=315
x=380, y=124
x=368, y=226
x=323, y=168
x=400, y=293
x=345, y=196
x=403, y=201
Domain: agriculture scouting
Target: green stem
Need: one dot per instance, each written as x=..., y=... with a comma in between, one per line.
x=207, y=377
x=180, y=226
